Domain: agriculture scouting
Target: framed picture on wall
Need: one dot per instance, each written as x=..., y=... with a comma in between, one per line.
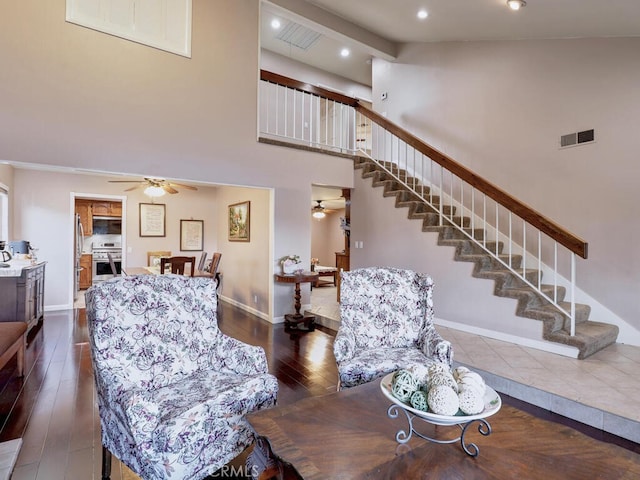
x=152, y=220
x=191, y=235
x=239, y=222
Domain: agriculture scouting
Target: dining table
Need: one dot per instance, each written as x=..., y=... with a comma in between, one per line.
x=155, y=270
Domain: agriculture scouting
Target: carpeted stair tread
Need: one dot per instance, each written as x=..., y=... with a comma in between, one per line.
x=548, y=290
x=507, y=279
x=590, y=337
x=582, y=313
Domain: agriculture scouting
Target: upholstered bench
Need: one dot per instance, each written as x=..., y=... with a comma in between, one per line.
x=12, y=342
x=325, y=272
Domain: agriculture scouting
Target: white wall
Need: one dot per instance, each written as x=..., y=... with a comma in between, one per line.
x=501, y=107
x=243, y=263
x=75, y=97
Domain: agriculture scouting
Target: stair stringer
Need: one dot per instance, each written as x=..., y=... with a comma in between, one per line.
x=590, y=336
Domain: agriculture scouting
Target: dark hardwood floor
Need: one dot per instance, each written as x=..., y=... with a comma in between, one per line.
x=53, y=407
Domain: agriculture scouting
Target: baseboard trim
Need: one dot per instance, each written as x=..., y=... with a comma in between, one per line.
x=559, y=349
x=244, y=307
x=55, y=308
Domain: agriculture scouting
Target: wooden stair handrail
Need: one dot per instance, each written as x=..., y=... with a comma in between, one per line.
x=552, y=229
x=528, y=214
x=306, y=87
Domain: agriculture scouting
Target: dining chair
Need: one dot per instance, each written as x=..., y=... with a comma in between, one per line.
x=178, y=264
x=215, y=263
x=151, y=256
x=203, y=259
x=112, y=264
x=213, y=269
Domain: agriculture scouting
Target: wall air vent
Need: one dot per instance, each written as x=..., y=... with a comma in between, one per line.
x=578, y=138
x=298, y=36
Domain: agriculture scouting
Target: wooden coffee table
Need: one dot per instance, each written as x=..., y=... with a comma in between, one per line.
x=348, y=435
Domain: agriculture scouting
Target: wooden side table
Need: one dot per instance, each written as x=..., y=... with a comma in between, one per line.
x=292, y=320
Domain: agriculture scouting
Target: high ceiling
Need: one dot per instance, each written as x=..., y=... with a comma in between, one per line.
x=376, y=27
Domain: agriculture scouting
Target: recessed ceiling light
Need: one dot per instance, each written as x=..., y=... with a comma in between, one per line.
x=422, y=14
x=275, y=24
x=516, y=4
x=345, y=52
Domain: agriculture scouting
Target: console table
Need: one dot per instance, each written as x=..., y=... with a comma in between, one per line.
x=294, y=319
x=22, y=298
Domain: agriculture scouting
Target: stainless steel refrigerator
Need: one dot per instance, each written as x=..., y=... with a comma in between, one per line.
x=79, y=242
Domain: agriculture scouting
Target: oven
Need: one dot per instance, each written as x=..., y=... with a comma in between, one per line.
x=101, y=267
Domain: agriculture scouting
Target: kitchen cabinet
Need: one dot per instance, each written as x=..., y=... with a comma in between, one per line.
x=106, y=209
x=87, y=209
x=83, y=208
x=22, y=298
x=86, y=275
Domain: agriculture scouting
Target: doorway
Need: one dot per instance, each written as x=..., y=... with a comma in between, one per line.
x=329, y=250
x=99, y=228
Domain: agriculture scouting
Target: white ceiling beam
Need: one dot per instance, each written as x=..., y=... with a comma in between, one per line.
x=336, y=27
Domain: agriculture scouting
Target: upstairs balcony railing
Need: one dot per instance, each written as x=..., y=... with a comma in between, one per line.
x=522, y=240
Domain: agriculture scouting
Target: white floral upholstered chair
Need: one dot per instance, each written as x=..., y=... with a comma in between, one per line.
x=173, y=390
x=386, y=317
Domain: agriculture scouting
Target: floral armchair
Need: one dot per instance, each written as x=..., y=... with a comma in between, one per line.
x=386, y=319
x=172, y=389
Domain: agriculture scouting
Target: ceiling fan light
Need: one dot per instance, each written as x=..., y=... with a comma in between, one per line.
x=318, y=214
x=154, y=191
x=516, y=4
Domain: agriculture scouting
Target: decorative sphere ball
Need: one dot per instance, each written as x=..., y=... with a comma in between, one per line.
x=474, y=379
x=443, y=400
x=443, y=379
x=437, y=368
x=471, y=403
x=419, y=400
x=458, y=372
x=420, y=372
x=403, y=385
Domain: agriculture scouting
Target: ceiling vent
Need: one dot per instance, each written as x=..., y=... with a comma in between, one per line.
x=298, y=36
x=578, y=138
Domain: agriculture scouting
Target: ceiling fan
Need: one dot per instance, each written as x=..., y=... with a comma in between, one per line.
x=319, y=210
x=155, y=187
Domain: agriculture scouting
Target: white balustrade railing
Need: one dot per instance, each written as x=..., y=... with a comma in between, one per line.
x=293, y=115
x=301, y=115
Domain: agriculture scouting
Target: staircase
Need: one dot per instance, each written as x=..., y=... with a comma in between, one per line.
x=590, y=336
x=386, y=152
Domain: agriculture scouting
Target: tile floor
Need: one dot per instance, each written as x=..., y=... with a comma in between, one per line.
x=602, y=391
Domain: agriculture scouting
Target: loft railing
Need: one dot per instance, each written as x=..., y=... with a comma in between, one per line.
x=522, y=240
